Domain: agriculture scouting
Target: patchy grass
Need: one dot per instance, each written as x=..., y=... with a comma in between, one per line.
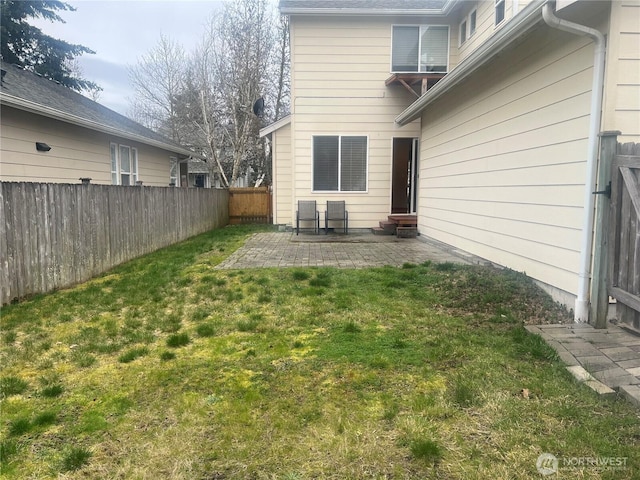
x=168, y=368
x=178, y=340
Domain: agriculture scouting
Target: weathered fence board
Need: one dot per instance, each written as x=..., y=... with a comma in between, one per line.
x=624, y=273
x=56, y=235
x=250, y=205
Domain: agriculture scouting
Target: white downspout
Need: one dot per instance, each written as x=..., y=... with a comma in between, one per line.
x=582, y=301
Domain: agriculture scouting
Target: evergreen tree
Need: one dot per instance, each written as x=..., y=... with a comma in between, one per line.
x=26, y=45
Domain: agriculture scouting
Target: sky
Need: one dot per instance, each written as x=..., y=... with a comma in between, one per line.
x=121, y=32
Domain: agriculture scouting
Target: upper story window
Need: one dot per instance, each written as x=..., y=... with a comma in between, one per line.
x=124, y=165
x=472, y=23
x=463, y=32
x=421, y=48
x=468, y=27
x=500, y=5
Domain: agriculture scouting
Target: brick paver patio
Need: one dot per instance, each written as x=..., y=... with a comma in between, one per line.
x=608, y=360
x=285, y=249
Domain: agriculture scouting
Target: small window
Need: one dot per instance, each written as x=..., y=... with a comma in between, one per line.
x=500, y=5
x=173, y=171
x=472, y=23
x=124, y=165
x=422, y=48
x=463, y=32
x=340, y=163
x=114, y=164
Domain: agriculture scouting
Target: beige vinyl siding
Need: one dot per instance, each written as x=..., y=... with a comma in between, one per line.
x=622, y=92
x=339, y=68
x=503, y=159
x=485, y=22
x=282, y=169
x=153, y=164
x=75, y=152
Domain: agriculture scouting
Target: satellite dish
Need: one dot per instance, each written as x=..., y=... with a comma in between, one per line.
x=258, y=107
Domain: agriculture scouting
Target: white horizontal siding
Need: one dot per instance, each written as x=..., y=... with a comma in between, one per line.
x=503, y=159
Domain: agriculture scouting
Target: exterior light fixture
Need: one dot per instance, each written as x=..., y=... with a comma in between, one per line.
x=42, y=147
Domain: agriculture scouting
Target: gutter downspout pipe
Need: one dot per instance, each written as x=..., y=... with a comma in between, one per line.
x=581, y=314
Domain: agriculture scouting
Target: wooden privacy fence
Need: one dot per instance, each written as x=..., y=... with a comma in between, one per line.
x=624, y=229
x=56, y=235
x=250, y=205
x=617, y=245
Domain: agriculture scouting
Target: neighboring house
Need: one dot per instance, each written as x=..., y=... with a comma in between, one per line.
x=473, y=115
x=78, y=138
x=191, y=172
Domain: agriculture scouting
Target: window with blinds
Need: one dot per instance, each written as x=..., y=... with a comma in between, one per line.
x=340, y=163
x=422, y=48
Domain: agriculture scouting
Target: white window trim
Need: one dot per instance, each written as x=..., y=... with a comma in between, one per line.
x=366, y=173
x=462, y=32
x=113, y=151
x=420, y=46
x=495, y=11
x=472, y=33
x=133, y=162
x=173, y=162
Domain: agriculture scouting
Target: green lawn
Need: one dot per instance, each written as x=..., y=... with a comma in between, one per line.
x=165, y=368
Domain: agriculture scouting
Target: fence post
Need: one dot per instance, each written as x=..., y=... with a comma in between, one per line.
x=599, y=293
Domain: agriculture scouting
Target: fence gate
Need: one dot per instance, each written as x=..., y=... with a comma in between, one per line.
x=624, y=234
x=249, y=205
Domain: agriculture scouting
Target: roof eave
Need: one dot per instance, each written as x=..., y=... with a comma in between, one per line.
x=446, y=8
x=358, y=11
x=278, y=124
x=521, y=23
x=32, y=107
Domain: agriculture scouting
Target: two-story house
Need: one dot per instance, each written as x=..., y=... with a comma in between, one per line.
x=478, y=116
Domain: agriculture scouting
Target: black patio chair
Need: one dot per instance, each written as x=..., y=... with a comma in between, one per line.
x=307, y=212
x=336, y=212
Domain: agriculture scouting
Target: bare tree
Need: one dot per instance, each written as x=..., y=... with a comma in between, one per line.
x=233, y=65
x=158, y=79
x=281, y=63
x=206, y=101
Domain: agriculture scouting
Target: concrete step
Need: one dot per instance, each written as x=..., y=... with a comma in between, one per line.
x=381, y=231
x=406, y=232
x=388, y=226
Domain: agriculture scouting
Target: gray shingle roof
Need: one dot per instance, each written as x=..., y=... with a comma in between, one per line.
x=410, y=6
x=49, y=98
